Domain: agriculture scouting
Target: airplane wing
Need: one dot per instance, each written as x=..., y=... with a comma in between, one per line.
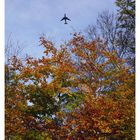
x=68, y=18
x=63, y=18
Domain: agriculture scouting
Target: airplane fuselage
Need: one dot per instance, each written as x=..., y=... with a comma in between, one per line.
x=65, y=21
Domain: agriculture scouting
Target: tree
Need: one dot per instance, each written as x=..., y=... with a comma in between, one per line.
x=47, y=89
x=126, y=13
x=13, y=48
x=107, y=110
x=117, y=30
x=15, y=103
x=126, y=32
x=81, y=91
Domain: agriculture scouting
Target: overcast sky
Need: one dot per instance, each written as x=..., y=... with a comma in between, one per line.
x=28, y=19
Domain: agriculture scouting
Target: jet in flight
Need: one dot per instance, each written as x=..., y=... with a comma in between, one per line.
x=65, y=18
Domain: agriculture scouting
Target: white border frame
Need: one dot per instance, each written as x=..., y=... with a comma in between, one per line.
x=2, y=87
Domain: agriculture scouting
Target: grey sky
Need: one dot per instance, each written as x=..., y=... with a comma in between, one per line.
x=28, y=19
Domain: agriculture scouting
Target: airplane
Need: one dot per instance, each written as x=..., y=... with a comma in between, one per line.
x=65, y=18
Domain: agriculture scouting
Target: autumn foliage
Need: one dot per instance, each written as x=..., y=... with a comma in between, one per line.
x=80, y=91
